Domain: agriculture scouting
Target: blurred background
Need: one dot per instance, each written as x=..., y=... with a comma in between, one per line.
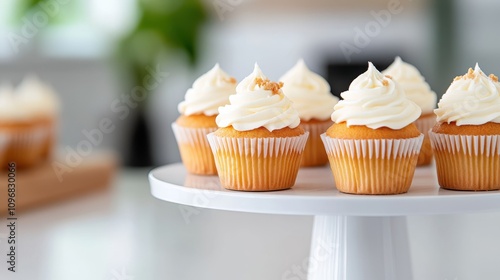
x=97, y=54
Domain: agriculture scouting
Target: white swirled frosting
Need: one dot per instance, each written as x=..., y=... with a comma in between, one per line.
x=472, y=99
x=9, y=106
x=209, y=92
x=254, y=106
x=413, y=84
x=375, y=101
x=309, y=92
x=37, y=97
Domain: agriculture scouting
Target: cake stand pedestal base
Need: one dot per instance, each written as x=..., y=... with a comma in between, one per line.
x=359, y=248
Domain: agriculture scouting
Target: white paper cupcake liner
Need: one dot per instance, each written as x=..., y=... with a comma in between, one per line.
x=50, y=142
x=372, y=148
x=314, y=152
x=265, y=147
x=195, y=150
x=467, y=162
x=25, y=146
x=4, y=143
x=28, y=137
x=488, y=145
x=424, y=125
x=373, y=166
x=257, y=164
x=193, y=136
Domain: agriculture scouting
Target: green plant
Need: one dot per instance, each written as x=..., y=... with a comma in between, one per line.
x=163, y=26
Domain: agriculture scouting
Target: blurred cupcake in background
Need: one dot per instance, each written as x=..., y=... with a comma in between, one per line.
x=311, y=97
x=373, y=145
x=43, y=104
x=418, y=91
x=466, y=138
x=198, y=112
x=25, y=135
x=7, y=109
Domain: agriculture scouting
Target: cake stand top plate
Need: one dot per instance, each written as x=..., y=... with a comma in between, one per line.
x=314, y=193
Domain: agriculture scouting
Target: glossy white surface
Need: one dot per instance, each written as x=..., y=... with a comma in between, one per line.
x=315, y=194
x=342, y=244
x=126, y=228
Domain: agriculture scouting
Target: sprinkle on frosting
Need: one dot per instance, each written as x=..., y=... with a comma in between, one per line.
x=472, y=99
x=266, y=84
x=230, y=80
x=258, y=102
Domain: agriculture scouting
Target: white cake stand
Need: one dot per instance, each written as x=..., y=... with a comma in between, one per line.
x=355, y=237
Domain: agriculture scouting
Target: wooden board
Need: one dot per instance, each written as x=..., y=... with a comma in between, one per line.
x=40, y=185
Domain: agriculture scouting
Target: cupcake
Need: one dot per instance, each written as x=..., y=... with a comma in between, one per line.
x=41, y=100
x=418, y=91
x=197, y=119
x=373, y=145
x=311, y=97
x=466, y=138
x=259, y=143
x=23, y=133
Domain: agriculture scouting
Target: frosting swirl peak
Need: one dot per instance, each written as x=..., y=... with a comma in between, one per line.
x=258, y=102
x=471, y=99
x=209, y=91
x=375, y=101
x=38, y=97
x=9, y=106
x=413, y=84
x=309, y=92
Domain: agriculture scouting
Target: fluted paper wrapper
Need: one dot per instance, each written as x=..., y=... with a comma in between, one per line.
x=4, y=143
x=373, y=166
x=25, y=145
x=467, y=162
x=424, y=124
x=195, y=150
x=314, y=152
x=50, y=139
x=257, y=164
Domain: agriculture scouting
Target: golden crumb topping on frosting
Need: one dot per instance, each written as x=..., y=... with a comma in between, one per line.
x=385, y=82
x=231, y=80
x=266, y=84
x=471, y=75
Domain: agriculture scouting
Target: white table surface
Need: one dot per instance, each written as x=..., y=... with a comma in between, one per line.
x=125, y=233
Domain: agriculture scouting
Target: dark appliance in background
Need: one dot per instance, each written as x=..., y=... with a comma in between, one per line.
x=340, y=74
